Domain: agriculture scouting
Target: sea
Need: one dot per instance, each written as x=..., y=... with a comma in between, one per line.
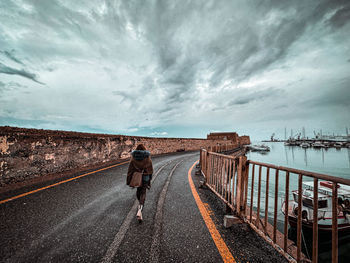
x=330, y=161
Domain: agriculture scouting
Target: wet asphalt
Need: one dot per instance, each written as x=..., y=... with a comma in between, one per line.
x=85, y=219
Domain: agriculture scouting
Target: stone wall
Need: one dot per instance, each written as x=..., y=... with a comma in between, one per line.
x=30, y=153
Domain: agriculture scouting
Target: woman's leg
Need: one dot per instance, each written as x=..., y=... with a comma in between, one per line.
x=142, y=198
x=138, y=193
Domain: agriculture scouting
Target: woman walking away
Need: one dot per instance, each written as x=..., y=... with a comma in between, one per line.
x=141, y=162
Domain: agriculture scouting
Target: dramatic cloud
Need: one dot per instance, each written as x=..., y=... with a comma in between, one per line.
x=11, y=55
x=11, y=71
x=248, y=96
x=175, y=68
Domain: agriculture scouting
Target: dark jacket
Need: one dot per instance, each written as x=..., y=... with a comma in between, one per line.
x=140, y=161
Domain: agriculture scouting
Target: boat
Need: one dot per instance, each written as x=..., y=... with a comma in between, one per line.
x=338, y=145
x=259, y=148
x=304, y=145
x=326, y=144
x=290, y=142
x=317, y=144
x=324, y=216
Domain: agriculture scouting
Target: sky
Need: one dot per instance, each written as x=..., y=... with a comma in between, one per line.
x=176, y=68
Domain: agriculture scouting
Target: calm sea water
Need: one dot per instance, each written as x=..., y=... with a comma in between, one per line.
x=331, y=161
x=334, y=162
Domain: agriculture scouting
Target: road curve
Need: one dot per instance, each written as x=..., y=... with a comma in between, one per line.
x=92, y=219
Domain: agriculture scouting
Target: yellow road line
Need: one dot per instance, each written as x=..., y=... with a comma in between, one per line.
x=219, y=242
x=62, y=182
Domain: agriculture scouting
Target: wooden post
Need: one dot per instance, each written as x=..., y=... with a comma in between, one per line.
x=246, y=176
x=252, y=194
x=240, y=182
x=206, y=166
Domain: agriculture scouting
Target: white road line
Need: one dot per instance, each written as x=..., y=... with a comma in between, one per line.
x=112, y=250
x=158, y=221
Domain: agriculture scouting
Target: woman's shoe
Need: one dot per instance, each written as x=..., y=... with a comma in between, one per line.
x=139, y=213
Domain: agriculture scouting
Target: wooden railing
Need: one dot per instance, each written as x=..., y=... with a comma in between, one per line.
x=221, y=175
x=222, y=148
x=244, y=186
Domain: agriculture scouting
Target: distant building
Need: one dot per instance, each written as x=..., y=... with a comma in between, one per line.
x=231, y=137
x=225, y=136
x=244, y=140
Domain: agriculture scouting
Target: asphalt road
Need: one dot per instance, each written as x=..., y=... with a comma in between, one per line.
x=93, y=219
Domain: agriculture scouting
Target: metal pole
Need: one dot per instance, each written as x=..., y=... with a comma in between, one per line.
x=267, y=197
x=286, y=207
x=275, y=210
x=335, y=223
x=299, y=224
x=259, y=192
x=315, y=224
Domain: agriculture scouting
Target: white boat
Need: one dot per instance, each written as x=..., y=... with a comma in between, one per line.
x=326, y=144
x=324, y=216
x=290, y=142
x=338, y=145
x=317, y=144
x=259, y=148
x=304, y=145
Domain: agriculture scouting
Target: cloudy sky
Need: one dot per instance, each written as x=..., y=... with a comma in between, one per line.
x=176, y=68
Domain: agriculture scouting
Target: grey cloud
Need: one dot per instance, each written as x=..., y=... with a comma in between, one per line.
x=125, y=95
x=339, y=95
x=248, y=96
x=11, y=55
x=11, y=86
x=56, y=29
x=12, y=71
x=230, y=51
x=341, y=17
x=188, y=47
x=2, y=87
x=281, y=106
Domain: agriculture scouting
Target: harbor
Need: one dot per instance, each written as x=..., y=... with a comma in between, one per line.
x=319, y=140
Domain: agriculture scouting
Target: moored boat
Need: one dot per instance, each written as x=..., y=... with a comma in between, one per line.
x=326, y=144
x=317, y=144
x=324, y=216
x=338, y=145
x=290, y=142
x=259, y=148
x=304, y=145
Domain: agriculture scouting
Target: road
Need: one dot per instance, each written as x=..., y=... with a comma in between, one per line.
x=93, y=219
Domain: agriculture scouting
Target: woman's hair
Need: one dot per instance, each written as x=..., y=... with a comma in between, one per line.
x=141, y=147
